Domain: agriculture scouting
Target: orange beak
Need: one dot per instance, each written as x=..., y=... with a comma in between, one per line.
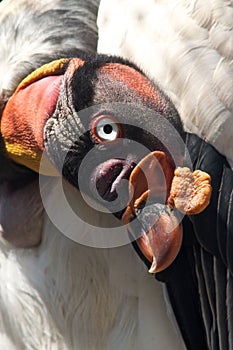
x=159, y=194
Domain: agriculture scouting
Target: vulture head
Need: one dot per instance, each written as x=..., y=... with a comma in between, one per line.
x=113, y=134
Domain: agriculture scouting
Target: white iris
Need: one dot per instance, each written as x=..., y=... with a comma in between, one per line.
x=107, y=129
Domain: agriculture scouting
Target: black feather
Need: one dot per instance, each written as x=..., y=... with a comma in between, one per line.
x=207, y=307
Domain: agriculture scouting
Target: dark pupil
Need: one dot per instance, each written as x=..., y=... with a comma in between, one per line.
x=107, y=129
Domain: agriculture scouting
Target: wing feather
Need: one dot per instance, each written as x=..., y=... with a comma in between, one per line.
x=220, y=273
x=212, y=234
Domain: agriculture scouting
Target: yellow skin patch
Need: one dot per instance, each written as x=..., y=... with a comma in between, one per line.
x=47, y=69
x=22, y=122
x=31, y=159
x=27, y=111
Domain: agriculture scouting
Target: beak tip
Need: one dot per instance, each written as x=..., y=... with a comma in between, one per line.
x=153, y=268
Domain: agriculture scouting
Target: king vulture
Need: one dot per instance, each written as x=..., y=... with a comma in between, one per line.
x=187, y=48
x=61, y=287
x=115, y=136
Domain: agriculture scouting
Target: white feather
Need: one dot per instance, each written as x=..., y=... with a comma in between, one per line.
x=185, y=46
x=63, y=295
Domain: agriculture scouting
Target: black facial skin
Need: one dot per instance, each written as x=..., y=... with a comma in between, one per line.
x=69, y=138
x=102, y=165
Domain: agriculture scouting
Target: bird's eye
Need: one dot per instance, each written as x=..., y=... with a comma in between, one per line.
x=105, y=128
